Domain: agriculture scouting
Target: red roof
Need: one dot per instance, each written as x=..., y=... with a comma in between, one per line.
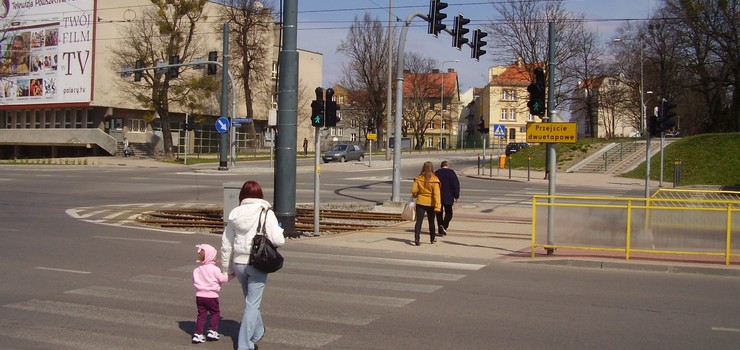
x=515, y=74
x=434, y=82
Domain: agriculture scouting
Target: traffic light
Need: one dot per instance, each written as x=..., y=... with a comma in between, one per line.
x=482, y=127
x=536, y=91
x=137, y=73
x=212, y=57
x=666, y=118
x=436, y=16
x=653, y=125
x=317, y=109
x=332, y=118
x=478, y=44
x=370, y=126
x=459, y=31
x=173, y=72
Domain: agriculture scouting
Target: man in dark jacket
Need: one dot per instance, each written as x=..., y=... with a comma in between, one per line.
x=450, y=193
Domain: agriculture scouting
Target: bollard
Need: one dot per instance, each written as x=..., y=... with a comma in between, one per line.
x=490, y=166
x=529, y=164
x=478, y=164
x=510, y=166
x=676, y=172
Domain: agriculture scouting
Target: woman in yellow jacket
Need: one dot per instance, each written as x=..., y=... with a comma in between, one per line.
x=426, y=190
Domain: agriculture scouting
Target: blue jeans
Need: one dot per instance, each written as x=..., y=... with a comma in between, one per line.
x=253, y=282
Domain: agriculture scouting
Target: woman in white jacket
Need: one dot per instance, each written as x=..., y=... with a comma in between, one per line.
x=236, y=244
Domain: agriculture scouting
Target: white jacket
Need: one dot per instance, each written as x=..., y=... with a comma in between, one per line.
x=241, y=227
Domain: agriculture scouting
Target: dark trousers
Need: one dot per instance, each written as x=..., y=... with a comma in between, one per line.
x=447, y=210
x=206, y=306
x=421, y=211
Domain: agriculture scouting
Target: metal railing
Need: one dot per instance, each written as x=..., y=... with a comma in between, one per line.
x=616, y=155
x=680, y=222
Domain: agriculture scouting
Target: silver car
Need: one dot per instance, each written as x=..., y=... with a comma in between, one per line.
x=343, y=153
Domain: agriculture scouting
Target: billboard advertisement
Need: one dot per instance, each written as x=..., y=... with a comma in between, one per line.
x=46, y=51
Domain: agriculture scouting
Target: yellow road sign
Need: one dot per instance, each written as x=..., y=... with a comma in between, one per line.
x=552, y=132
x=372, y=136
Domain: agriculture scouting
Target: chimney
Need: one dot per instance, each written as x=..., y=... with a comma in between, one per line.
x=435, y=71
x=450, y=70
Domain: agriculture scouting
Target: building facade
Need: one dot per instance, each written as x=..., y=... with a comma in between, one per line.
x=63, y=96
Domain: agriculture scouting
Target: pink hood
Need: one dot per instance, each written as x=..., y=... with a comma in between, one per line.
x=209, y=252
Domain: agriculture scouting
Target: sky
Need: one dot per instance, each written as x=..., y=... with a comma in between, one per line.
x=323, y=24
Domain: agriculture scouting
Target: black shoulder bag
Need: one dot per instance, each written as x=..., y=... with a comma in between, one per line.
x=264, y=255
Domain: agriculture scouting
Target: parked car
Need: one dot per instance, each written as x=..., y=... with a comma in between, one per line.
x=673, y=134
x=514, y=147
x=343, y=153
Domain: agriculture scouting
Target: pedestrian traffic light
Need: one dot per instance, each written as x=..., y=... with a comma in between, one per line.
x=436, y=16
x=653, y=125
x=317, y=109
x=173, y=72
x=478, y=44
x=536, y=91
x=666, y=118
x=137, y=73
x=482, y=126
x=459, y=31
x=212, y=57
x=370, y=125
x=332, y=118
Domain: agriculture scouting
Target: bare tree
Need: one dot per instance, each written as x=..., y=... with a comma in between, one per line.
x=167, y=28
x=366, y=46
x=706, y=35
x=585, y=64
x=422, y=89
x=250, y=34
x=522, y=33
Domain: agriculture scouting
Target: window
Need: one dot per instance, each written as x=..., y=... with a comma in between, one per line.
x=508, y=95
x=613, y=82
x=336, y=132
x=444, y=124
x=430, y=142
x=512, y=114
x=353, y=137
x=137, y=125
x=504, y=114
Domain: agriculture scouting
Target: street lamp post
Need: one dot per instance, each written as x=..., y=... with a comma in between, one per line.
x=643, y=118
x=442, y=101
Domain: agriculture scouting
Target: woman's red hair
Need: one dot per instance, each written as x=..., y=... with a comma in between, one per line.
x=250, y=189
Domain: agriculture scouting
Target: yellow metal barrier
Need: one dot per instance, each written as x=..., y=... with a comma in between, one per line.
x=681, y=222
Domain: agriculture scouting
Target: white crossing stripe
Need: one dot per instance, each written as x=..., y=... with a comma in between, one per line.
x=402, y=262
x=341, y=297
x=373, y=271
x=724, y=329
x=98, y=313
x=358, y=283
x=130, y=295
x=161, y=280
x=62, y=270
x=139, y=239
x=67, y=338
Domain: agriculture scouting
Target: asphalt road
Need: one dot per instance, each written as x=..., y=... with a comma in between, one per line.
x=74, y=284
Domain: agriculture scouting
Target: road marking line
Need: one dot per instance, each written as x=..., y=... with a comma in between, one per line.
x=403, y=262
x=355, y=283
x=115, y=214
x=723, y=329
x=342, y=297
x=373, y=271
x=63, y=270
x=139, y=239
x=84, y=216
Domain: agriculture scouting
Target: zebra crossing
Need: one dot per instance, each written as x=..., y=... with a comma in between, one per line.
x=312, y=302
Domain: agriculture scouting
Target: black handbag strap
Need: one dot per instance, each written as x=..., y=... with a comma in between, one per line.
x=262, y=224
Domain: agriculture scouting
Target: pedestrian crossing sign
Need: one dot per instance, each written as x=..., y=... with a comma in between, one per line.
x=499, y=130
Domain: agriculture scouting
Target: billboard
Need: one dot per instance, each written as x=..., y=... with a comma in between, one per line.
x=46, y=51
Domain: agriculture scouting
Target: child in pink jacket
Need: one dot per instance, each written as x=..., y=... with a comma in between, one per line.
x=207, y=280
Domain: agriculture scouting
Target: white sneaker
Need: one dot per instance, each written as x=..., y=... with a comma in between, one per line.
x=198, y=338
x=213, y=335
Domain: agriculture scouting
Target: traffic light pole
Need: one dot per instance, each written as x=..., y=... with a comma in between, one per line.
x=317, y=181
x=551, y=154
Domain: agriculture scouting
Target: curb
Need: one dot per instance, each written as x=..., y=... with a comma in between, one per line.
x=634, y=266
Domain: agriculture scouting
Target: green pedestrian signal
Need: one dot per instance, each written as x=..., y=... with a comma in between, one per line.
x=317, y=109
